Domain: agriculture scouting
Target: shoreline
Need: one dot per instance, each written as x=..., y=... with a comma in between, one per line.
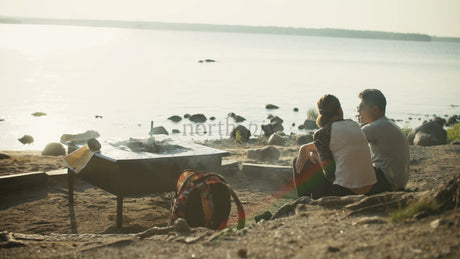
x=211, y=130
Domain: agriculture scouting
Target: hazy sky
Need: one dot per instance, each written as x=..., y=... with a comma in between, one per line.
x=433, y=17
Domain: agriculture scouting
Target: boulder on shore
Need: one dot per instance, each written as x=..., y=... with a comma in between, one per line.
x=310, y=124
x=303, y=139
x=271, y=128
x=81, y=137
x=26, y=139
x=452, y=120
x=54, y=149
x=240, y=134
x=276, y=139
x=269, y=153
x=440, y=121
x=428, y=134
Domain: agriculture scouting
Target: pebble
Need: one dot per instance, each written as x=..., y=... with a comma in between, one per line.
x=436, y=223
x=369, y=220
x=300, y=210
x=333, y=249
x=243, y=252
x=181, y=226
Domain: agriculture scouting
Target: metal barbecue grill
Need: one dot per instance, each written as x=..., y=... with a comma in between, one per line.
x=124, y=173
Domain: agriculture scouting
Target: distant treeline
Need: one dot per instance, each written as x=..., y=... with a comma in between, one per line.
x=230, y=28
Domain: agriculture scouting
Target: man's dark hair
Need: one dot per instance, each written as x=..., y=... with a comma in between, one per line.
x=374, y=97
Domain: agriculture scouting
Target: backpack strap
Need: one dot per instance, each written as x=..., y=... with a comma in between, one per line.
x=239, y=205
x=195, y=178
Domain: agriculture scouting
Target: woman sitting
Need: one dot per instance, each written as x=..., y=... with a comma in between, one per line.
x=338, y=161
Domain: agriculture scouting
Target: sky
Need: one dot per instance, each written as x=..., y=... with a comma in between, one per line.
x=432, y=17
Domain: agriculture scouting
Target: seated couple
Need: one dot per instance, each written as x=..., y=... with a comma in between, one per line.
x=338, y=162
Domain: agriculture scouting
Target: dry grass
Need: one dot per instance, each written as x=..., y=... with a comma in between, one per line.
x=423, y=205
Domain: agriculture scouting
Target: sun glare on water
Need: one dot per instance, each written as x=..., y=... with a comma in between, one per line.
x=45, y=40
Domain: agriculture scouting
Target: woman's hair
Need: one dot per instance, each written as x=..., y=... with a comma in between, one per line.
x=328, y=107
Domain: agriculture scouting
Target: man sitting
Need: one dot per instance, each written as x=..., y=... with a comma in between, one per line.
x=388, y=143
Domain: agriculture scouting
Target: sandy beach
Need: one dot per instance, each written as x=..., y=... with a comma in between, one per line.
x=42, y=220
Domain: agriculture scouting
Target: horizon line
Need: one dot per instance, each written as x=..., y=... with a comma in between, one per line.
x=3, y=18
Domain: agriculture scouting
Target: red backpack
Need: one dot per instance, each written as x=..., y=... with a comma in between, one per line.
x=203, y=200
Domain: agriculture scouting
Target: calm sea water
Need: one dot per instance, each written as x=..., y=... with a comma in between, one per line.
x=132, y=77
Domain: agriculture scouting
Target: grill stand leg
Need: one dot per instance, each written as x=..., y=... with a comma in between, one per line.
x=70, y=185
x=70, y=174
x=119, y=211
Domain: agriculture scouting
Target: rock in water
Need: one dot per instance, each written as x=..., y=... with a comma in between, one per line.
x=175, y=118
x=198, y=118
x=54, y=149
x=38, y=114
x=26, y=139
x=271, y=107
x=159, y=130
x=276, y=118
x=239, y=118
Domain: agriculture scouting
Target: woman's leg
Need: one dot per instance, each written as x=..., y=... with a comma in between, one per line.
x=311, y=181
